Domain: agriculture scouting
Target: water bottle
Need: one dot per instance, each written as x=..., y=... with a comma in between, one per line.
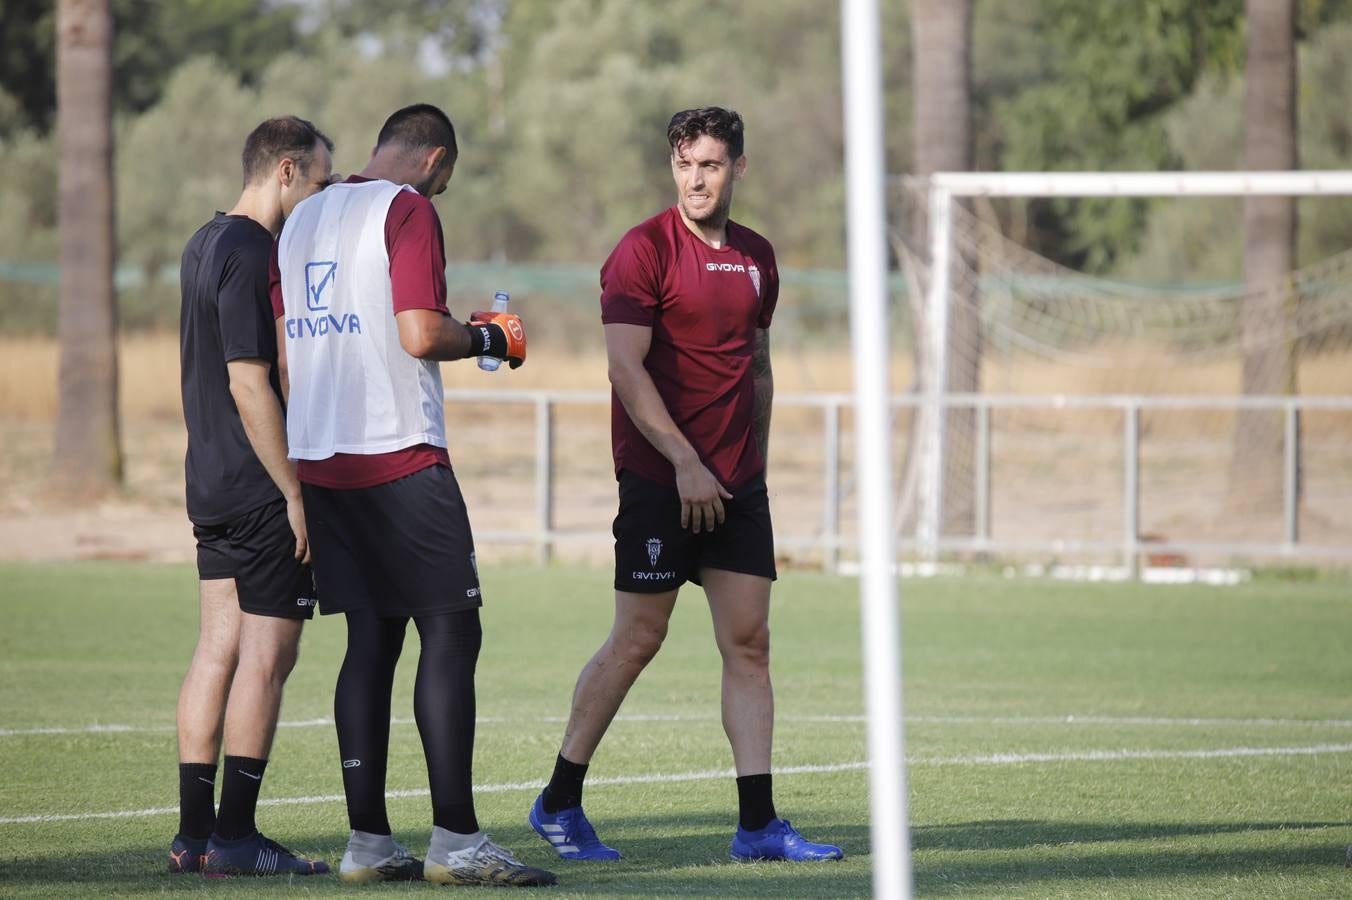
x=500, y=298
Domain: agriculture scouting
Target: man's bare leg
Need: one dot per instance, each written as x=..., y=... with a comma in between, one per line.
x=268, y=648
x=267, y=653
x=202, y=698
x=740, y=606
x=636, y=636
x=201, y=714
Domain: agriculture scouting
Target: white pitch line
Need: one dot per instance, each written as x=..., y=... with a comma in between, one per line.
x=1011, y=759
x=709, y=775
x=1127, y=720
x=995, y=759
x=1071, y=719
x=85, y=729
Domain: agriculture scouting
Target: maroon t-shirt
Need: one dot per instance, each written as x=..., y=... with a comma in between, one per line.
x=704, y=306
x=418, y=278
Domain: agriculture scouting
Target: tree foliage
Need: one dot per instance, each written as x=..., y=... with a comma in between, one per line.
x=1118, y=67
x=1197, y=239
x=151, y=40
x=561, y=108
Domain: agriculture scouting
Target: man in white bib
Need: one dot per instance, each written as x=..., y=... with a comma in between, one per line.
x=359, y=291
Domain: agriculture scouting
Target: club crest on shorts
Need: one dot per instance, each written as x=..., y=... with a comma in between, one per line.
x=654, y=550
x=755, y=278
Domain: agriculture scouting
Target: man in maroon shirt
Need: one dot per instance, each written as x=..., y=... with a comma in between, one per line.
x=686, y=300
x=359, y=292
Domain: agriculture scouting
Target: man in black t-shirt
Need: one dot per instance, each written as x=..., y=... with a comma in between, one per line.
x=244, y=503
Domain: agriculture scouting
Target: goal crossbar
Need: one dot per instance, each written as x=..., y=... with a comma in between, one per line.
x=1140, y=184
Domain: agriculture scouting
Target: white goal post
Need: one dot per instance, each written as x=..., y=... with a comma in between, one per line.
x=880, y=613
x=944, y=188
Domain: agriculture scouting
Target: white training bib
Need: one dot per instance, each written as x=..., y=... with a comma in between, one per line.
x=354, y=389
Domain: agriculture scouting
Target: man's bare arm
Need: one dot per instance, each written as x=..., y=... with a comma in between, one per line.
x=701, y=494
x=265, y=426
x=431, y=334
x=764, y=380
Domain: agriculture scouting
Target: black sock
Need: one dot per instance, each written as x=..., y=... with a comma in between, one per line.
x=457, y=817
x=242, y=778
x=564, y=790
x=443, y=704
x=361, y=709
x=755, y=801
x=196, y=800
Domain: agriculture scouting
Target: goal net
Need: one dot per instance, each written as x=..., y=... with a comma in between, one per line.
x=1093, y=420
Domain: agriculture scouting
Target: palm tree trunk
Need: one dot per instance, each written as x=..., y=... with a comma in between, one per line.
x=1269, y=365
x=942, y=37
x=88, y=458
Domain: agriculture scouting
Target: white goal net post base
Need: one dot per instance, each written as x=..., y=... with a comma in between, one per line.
x=942, y=190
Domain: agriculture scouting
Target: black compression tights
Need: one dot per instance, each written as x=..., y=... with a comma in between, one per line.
x=443, y=704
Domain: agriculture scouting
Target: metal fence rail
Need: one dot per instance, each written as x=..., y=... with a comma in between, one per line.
x=830, y=541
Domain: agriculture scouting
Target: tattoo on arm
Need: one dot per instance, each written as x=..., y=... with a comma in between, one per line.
x=764, y=381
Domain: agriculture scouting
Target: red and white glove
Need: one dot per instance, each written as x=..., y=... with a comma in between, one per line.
x=501, y=335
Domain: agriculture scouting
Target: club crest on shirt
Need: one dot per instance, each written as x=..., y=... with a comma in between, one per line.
x=755, y=278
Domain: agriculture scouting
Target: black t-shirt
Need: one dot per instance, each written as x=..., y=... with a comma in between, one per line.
x=226, y=315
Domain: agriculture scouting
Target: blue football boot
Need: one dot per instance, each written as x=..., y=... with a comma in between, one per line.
x=256, y=855
x=569, y=833
x=780, y=840
x=185, y=855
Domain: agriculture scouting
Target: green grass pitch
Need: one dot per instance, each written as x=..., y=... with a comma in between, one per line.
x=1209, y=753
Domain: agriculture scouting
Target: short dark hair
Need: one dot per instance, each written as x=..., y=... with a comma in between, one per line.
x=421, y=126
x=715, y=121
x=279, y=138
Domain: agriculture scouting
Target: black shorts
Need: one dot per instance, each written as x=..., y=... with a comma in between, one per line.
x=258, y=550
x=653, y=554
x=397, y=549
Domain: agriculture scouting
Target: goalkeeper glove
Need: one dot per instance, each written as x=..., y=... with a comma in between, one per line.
x=500, y=335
